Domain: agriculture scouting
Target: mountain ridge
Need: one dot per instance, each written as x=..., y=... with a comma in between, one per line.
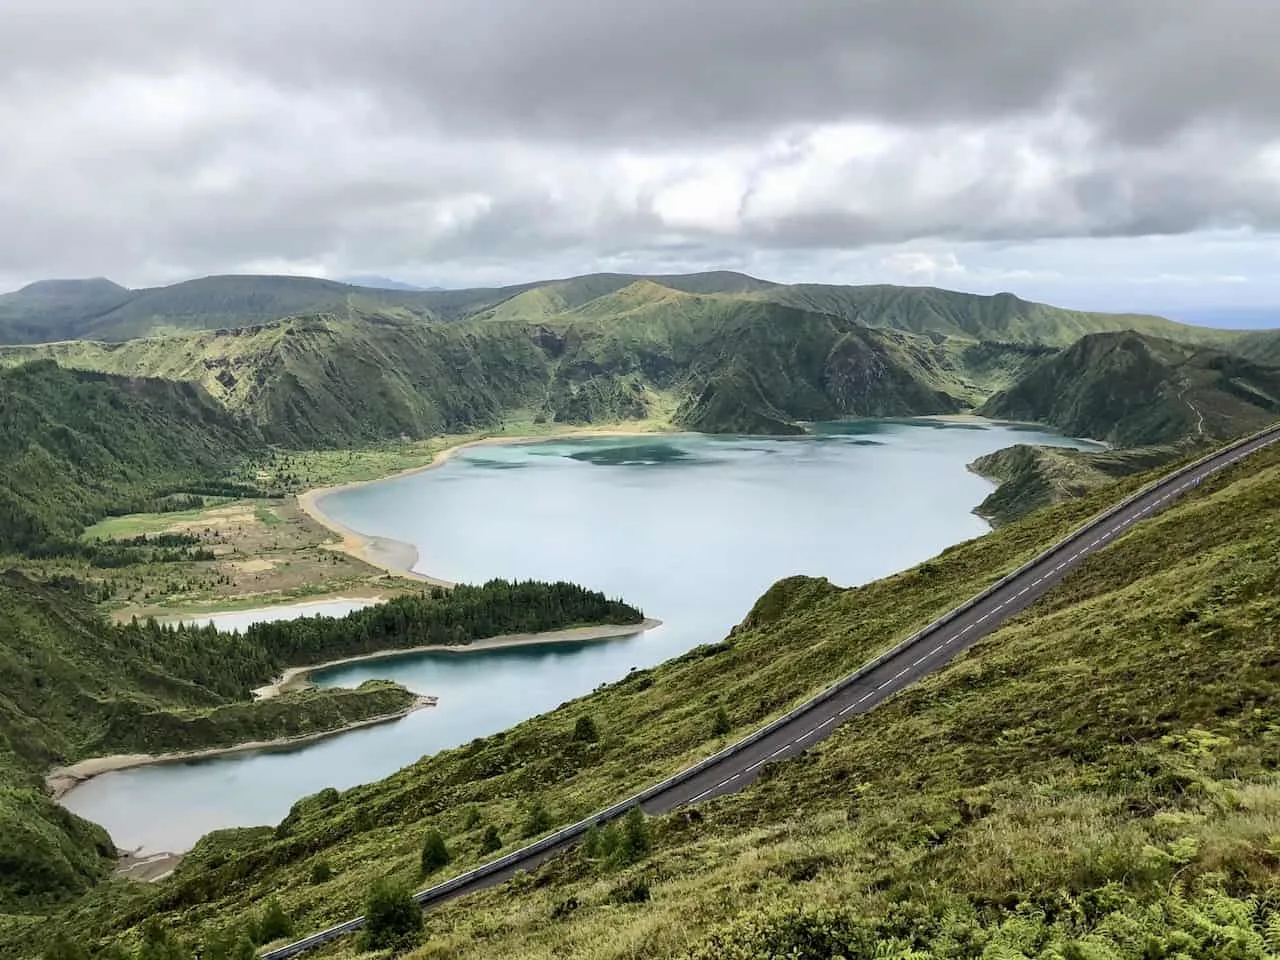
x=97, y=312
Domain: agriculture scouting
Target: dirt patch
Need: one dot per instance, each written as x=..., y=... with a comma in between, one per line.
x=257, y=565
x=216, y=519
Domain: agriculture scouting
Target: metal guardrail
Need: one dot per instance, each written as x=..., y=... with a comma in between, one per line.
x=618, y=809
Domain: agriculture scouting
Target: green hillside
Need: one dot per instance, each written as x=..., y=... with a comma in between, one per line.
x=1034, y=477
x=101, y=310
x=1131, y=389
x=75, y=686
x=1002, y=318
x=723, y=363
x=56, y=309
x=1097, y=778
x=76, y=445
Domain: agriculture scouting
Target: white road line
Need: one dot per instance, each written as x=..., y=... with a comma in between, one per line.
x=825, y=722
x=967, y=629
x=848, y=708
x=983, y=617
x=1036, y=583
x=900, y=673
x=1023, y=590
x=866, y=697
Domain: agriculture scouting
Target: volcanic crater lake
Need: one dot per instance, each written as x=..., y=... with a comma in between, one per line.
x=690, y=528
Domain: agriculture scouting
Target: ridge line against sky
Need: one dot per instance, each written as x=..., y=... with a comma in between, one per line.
x=1100, y=154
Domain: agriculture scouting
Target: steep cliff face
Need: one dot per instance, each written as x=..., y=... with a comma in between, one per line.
x=1132, y=390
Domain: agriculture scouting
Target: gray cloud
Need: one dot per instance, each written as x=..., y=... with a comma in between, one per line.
x=494, y=139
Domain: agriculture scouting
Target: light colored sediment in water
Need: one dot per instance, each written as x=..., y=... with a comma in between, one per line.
x=395, y=556
x=147, y=867
x=62, y=780
x=297, y=676
x=298, y=607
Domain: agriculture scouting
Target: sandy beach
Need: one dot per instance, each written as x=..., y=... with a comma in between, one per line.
x=395, y=556
x=62, y=780
x=296, y=677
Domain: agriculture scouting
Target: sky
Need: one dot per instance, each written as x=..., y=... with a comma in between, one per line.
x=1106, y=154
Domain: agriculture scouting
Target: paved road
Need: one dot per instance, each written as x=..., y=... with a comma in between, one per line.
x=925, y=652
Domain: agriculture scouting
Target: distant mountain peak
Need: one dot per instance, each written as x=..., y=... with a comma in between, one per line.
x=72, y=287
x=383, y=283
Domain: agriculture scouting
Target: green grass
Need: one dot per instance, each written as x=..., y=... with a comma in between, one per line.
x=1063, y=762
x=1035, y=477
x=267, y=516
x=1133, y=390
x=142, y=524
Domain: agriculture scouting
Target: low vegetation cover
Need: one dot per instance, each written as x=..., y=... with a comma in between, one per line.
x=78, y=445
x=1097, y=778
x=76, y=686
x=715, y=353
x=1034, y=477
x=1131, y=389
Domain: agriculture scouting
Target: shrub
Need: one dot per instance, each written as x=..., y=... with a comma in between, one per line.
x=584, y=731
x=490, y=841
x=720, y=723
x=537, y=821
x=434, y=852
x=393, y=920
x=321, y=871
x=274, y=923
x=470, y=818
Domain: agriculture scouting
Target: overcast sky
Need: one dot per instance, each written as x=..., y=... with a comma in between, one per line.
x=1100, y=153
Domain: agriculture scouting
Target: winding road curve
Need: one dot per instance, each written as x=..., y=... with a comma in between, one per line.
x=739, y=764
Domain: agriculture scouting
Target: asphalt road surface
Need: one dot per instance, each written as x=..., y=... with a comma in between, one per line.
x=738, y=765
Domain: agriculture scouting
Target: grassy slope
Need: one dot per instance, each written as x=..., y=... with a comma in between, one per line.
x=1002, y=318
x=101, y=310
x=1132, y=389
x=724, y=363
x=1063, y=754
x=1034, y=477
x=74, y=444
x=74, y=687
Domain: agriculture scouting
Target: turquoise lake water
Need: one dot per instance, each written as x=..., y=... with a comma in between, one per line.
x=690, y=528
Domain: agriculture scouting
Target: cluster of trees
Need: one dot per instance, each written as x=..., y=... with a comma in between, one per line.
x=439, y=616
x=230, y=664
x=112, y=554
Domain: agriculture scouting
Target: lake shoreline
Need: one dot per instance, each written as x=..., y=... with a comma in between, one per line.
x=397, y=557
x=60, y=781
x=295, y=677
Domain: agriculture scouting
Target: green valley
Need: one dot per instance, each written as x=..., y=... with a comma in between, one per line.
x=1092, y=777
x=1096, y=775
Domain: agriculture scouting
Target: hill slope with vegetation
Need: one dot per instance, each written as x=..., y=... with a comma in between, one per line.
x=1131, y=389
x=1097, y=778
x=712, y=363
x=1033, y=477
x=76, y=445
x=100, y=310
x=75, y=686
